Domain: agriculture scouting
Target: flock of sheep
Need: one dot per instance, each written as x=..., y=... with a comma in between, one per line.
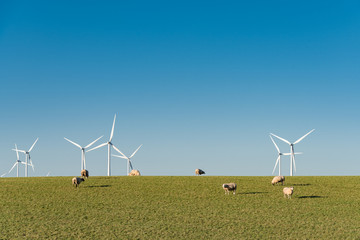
x=231, y=187
x=228, y=187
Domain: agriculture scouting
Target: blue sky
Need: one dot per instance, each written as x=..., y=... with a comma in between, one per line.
x=201, y=85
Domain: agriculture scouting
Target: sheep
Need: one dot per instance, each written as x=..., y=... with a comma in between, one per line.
x=229, y=187
x=134, y=172
x=288, y=191
x=84, y=173
x=76, y=181
x=278, y=179
x=199, y=171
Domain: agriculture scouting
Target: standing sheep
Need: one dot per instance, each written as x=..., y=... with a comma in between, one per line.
x=288, y=192
x=76, y=181
x=84, y=173
x=278, y=179
x=229, y=187
x=134, y=172
x=199, y=171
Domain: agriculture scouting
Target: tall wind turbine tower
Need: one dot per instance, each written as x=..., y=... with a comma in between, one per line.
x=292, y=153
x=28, y=158
x=110, y=144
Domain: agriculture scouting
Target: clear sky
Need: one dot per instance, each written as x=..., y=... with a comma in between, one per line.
x=201, y=85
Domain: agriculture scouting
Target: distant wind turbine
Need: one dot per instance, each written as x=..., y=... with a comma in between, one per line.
x=129, y=164
x=110, y=144
x=28, y=158
x=292, y=153
x=83, y=161
x=17, y=162
x=278, y=160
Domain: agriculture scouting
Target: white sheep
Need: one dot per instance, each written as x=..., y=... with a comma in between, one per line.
x=134, y=172
x=288, y=192
x=77, y=180
x=229, y=187
x=199, y=171
x=278, y=179
x=84, y=173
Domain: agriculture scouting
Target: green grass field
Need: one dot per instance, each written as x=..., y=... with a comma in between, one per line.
x=179, y=208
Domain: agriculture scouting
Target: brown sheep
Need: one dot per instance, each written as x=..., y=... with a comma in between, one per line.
x=84, y=173
x=199, y=171
x=134, y=172
x=76, y=181
x=229, y=187
x=288, y=192
x=278, y=179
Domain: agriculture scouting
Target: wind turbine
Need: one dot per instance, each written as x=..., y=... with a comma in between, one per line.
x=129, y=165
x=28, y=159
x=292, y=153
x=83, y=161
x=17, y=162
x=110, y=144
x=278, y=160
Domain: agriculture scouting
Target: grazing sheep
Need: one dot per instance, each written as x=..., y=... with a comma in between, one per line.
x=76, y=181
x=134, y=172
x=288, y=191
x=199, y=171
x=84, y=173
x=229, y=187
x=278, y=179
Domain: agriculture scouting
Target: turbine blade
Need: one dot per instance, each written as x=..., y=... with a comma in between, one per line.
x=17, y=152
x=284, y=140
x=101, y=145
x=33, y=145
x=89, y=145
x=275, y=144
x=299, y=140
x=135, y=151
x=73, y=142
x=131, y=165
x=277, y=161
x=12, y=167
x=112, y=130
x=32, y=165
x=3, y=175
x=119, y=151
x=298, y=153
x=118, y=156
x=286, y=154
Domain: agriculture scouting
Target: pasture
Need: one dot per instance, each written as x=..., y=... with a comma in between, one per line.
x=195, y=207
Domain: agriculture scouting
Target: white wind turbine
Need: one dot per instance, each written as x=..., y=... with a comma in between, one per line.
x=83, y=161
x=110, y=144
x=278, y=160
x=129, y=164
x=17, y=162
x=292, y=153
x=28, y=159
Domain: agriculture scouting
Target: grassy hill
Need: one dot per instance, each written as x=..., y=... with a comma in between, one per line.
x=179, y=208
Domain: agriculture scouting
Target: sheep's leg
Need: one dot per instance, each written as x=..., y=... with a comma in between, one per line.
x=234, y=192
